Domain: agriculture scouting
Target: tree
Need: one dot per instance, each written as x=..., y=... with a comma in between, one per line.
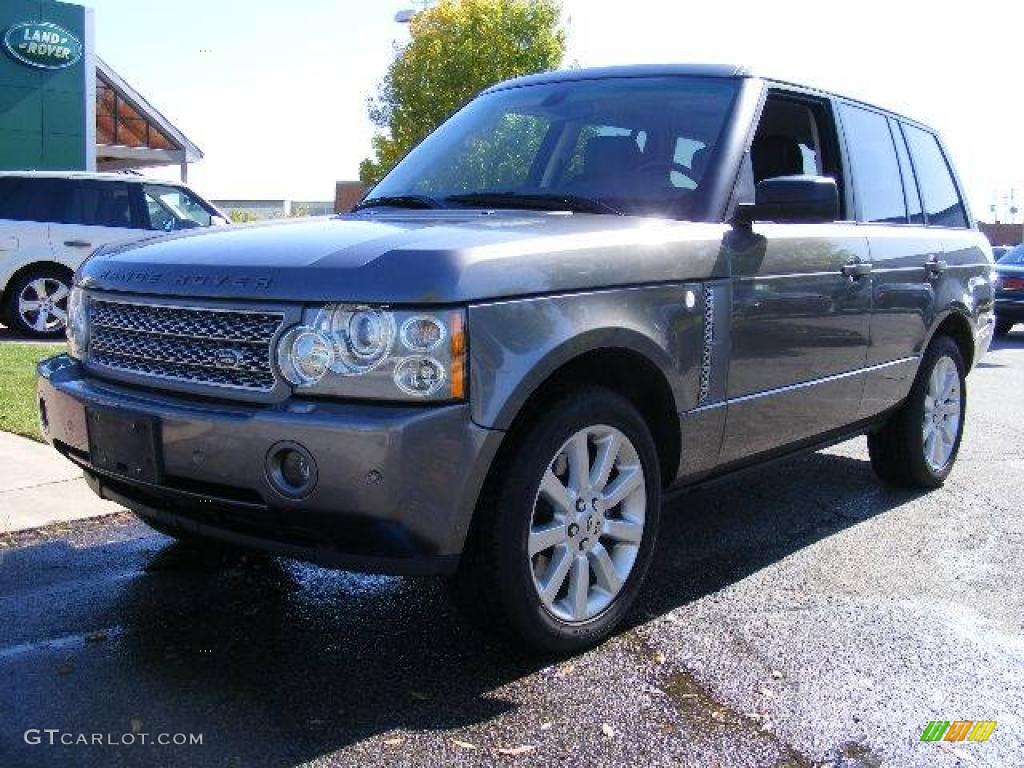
x=457, y=48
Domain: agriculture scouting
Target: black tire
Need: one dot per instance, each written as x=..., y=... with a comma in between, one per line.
x=897, y=450
x=14, y=317
x=495, y=582
x=1003, y=327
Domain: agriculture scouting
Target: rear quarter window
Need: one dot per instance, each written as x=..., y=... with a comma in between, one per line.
x=26, y=199
x=942, y=204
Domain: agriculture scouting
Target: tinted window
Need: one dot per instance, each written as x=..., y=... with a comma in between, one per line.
x=1016, y=256
x=941, y=200
x=876, y=171
x=613, y=141
x=910, y=192
x=24, y=199
x=98, y=204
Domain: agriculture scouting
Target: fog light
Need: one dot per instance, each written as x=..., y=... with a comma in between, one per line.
x=291, y=470
x=295, y=469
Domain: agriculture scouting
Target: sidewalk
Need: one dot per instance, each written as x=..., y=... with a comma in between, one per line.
x=38, y=487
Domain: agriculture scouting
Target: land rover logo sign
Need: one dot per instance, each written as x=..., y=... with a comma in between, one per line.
x=43, y=45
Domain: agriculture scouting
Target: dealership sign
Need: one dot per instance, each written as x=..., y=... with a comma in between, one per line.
x=43, y=45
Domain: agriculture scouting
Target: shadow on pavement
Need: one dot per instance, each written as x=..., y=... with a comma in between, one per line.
x=278, y=663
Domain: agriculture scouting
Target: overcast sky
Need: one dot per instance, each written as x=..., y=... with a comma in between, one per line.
x=275, y=93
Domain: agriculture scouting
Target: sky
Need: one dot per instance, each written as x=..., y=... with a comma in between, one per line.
x=275, y=93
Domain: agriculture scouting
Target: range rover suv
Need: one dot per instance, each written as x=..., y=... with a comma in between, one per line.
x=584, y=291
x=50, y=222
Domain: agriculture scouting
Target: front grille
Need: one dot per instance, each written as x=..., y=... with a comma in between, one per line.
x=213, y=347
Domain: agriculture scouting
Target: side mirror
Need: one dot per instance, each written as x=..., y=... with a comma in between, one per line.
x=793, y=199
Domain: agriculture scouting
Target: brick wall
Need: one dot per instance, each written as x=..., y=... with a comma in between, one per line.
x=1003, y=234
x=347, y=194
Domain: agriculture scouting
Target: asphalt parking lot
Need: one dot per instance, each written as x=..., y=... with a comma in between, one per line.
x=800, y=616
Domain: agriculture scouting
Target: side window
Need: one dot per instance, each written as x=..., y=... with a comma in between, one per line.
x=877, y=183
x=915, y=211
x=96, y=204
x=942, y=202
x=25, y=199
x=796, y=136
x=170, y=208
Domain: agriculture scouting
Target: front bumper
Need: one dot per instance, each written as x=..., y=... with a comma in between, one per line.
x=396, y=486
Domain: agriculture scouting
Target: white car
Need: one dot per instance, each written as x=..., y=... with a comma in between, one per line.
x=50, y=222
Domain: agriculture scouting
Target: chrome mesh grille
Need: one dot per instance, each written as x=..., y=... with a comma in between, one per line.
x=213, y=347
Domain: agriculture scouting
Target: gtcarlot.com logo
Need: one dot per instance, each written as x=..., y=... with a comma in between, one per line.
x=57, y=737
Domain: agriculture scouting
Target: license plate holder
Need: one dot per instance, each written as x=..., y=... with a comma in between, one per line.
x=124, y=443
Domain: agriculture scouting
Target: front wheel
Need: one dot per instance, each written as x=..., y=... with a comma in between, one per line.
x=37, y=303
x=919, y=443
x=563, y=544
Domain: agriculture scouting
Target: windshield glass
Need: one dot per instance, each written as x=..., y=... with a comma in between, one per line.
x=1015, y=256
x=633, y=145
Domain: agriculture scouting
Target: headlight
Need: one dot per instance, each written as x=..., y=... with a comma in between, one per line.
x=78, y=323
x=365, y=352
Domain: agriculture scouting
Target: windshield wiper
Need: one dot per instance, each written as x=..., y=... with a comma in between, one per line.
x=398, y=201
x=528, y=200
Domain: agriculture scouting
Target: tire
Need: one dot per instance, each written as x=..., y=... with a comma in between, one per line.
x=899, y=451
x=1003, y=327
x=608, y=542
x=43, y=285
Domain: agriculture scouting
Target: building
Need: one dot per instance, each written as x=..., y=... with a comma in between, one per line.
x=258, y=210
x=63, y=108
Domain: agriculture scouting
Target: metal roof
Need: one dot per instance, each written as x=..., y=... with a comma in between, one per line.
x=148, y=111
x=93, y=175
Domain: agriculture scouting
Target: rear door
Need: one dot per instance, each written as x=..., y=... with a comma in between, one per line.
x=800, y=319
x=92, y=212
x=889, y=210
x=24, y=227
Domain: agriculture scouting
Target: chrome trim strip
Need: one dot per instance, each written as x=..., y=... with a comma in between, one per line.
x=805, y=384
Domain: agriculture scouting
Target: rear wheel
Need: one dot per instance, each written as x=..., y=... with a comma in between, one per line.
x=37, y=302
x=1003, y=326
x=562, y=547
x=918, y=445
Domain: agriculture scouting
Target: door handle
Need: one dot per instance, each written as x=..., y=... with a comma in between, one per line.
x=935, y=266
x=856, y=269
x=77, y=244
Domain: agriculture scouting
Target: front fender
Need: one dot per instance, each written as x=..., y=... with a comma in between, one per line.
x=516, y=345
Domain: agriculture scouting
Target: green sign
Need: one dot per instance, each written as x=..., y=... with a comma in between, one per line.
x=43, y=45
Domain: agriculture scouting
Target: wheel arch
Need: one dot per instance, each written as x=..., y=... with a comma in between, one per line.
x=621, y=368
x=956, y=323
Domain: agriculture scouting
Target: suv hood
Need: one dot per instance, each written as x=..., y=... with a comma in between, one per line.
x=414, y=257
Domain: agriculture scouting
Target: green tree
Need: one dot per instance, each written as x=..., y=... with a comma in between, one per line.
x=457, y=48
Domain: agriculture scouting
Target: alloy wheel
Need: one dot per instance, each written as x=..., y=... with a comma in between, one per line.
x=943, y=404
x=43, y=304
x=587, y=523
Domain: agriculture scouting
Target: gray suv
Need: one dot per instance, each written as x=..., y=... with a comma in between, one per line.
x=586, y=290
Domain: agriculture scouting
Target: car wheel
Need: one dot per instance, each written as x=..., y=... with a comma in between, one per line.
x=562, y=545
x=919, y=443
x=1003, y=327
x=37, y=302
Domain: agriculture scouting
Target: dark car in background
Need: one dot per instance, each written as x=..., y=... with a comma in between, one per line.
x=1009, y=285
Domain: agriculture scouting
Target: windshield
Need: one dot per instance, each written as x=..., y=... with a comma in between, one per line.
x=629, y=145
x=1015, y=256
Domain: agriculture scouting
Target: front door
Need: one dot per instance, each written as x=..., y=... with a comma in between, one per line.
x=800, y=314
